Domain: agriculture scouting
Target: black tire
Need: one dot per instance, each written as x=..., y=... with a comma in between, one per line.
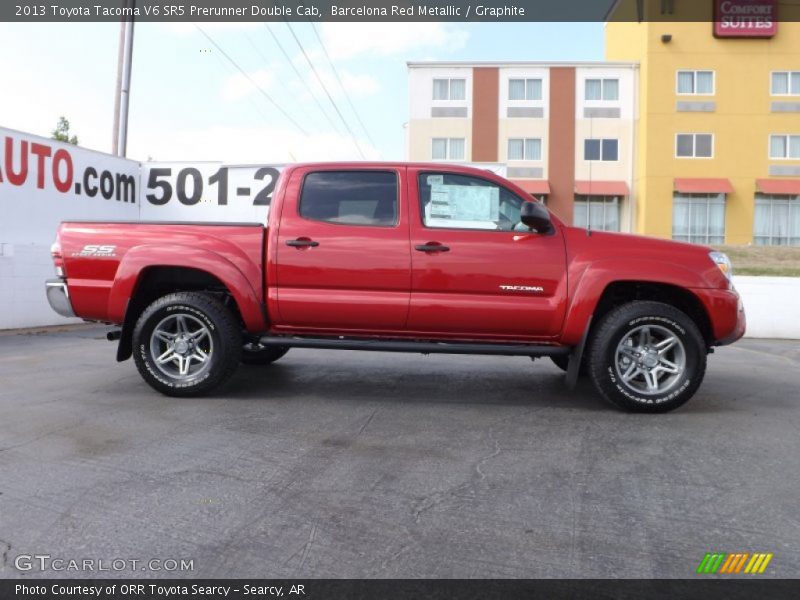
x=663, y=320
x=255, y=355
x=221, y=343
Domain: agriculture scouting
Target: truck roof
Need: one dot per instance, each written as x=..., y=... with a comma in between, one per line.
x=354, y=164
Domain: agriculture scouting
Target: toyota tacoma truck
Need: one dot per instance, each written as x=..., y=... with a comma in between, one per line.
x=401, y=257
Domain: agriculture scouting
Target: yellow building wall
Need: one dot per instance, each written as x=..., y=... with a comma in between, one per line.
x=741, y=123
x=629, y=40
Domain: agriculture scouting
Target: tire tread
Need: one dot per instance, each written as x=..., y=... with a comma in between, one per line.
x=610, y=324
x=228, y=328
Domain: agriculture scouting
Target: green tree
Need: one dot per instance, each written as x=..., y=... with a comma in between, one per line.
x=61, y=132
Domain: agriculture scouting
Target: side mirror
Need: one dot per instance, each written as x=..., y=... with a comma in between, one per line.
x=535, y=216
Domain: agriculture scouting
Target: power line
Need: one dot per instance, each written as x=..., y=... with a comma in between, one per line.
x=324, y=87
x=339, y=79
x=226, y=68
x=252, y=82
x=301, y=78
x=256, y=49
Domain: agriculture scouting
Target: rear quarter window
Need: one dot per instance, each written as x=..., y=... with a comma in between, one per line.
x=367, y=198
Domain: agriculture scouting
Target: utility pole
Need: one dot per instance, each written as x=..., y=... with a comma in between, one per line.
x=122, y=95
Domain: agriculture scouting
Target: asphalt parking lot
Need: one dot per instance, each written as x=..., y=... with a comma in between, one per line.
x=346, y=464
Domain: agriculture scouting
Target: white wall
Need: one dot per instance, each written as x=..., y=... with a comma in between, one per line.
x=31, y=208
x=23, y=271
x=772, y=306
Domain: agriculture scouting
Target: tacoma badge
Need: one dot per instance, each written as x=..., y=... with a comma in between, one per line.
x=522, y=288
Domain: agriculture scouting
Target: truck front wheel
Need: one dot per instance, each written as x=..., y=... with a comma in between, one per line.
x=647, y=357
x=186, y=344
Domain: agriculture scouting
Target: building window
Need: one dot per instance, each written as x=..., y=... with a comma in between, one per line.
x=350, y=198
x=449, y=89
x=604, y=150
x=524, y=89
x=786, y=83
x=600, y=213
x=696, y=82
x=694, y=145
x=447, y=149
x=784, y=147
x=777, y=220
x=699, y=218
x=602, y=89
x=525, y=149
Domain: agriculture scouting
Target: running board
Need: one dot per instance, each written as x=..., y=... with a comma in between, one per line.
x=415, y=346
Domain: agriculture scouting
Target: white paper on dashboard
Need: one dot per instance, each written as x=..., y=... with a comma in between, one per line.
x=465, y=203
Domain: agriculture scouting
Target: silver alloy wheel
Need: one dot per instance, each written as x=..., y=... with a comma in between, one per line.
x=650, y=360
x=181, y=346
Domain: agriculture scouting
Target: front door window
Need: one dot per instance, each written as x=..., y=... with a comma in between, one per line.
x=450, y=201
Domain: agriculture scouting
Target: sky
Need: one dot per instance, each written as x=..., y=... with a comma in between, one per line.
x=188, y=102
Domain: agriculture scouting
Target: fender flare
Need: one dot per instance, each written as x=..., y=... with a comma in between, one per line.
x=140, y=258
x=598, y=275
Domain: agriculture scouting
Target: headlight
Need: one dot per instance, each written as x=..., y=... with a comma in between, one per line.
x=723, y=262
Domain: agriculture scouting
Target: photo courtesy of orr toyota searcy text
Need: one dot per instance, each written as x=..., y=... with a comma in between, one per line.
x=140, y=590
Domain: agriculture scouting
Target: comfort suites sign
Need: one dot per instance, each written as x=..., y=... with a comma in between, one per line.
x=745, y=18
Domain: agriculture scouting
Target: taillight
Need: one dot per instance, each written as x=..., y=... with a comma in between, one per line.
x=58, y=257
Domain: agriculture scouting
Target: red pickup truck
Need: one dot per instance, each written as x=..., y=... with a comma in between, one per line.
x=401, y=257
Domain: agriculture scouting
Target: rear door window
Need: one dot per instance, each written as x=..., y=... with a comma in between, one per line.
x=367, y=198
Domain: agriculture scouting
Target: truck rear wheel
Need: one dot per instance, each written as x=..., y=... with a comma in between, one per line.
x=186, y=344
x=257, y=355
x=647, y=357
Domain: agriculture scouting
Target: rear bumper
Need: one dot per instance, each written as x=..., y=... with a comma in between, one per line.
x=58, y=297
x=726, y=312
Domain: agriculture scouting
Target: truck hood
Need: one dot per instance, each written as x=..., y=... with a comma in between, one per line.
x=641, y=242
x=653, y=259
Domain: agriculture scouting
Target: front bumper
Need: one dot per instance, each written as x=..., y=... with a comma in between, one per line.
x=58, y=297
x=726, y=311
x=739, y=328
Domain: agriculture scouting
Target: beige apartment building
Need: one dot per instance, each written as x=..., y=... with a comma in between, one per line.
x=565, y=132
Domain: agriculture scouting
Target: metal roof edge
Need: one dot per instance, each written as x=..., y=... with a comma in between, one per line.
x=526, y=63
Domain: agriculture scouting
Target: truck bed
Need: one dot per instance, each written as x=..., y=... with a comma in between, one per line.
x=103, y=260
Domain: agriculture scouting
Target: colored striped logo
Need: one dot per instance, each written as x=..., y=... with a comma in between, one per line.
x=740, y=562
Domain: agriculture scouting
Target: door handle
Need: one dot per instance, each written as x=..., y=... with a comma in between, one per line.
x=302, y=243
x=432, y=247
